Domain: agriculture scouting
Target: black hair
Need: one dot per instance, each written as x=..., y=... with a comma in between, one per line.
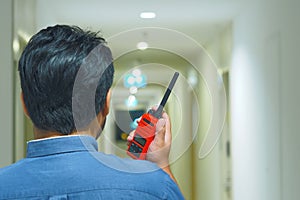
x=48, y=68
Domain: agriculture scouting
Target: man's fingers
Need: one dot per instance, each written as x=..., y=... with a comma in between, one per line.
x=168, y=135
x=160, y=124
x=160, y=137
x=138, y=119
x=130, y=136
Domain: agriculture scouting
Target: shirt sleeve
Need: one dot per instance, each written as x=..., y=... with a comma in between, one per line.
x=172, y=190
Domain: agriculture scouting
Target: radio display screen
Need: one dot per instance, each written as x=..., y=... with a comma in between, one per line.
x=140, y=140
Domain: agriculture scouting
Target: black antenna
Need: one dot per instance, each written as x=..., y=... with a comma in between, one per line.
x=163, y=102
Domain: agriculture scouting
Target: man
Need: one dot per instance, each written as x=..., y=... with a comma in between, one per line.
x=63, y=71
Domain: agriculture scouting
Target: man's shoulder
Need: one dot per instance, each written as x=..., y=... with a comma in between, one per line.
x=126, y=165
x=10, y=168
x=139, y=175
x=91, y=171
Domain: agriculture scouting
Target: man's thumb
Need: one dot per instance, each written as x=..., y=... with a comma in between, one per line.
x=160, y=124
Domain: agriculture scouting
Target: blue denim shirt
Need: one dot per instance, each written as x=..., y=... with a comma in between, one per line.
x=71, y=168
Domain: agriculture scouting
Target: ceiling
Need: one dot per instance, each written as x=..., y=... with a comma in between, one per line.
x=174, y=36
x=199, y=20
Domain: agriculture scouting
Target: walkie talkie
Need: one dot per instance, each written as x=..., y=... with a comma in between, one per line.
x=145, y=132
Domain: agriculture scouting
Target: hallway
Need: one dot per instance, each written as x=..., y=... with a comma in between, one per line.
x=234, y=109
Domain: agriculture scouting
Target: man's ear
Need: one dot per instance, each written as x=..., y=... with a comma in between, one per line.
x=23, y=105
x=107, y=103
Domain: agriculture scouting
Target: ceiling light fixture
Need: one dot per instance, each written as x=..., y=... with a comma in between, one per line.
x=147, y=15
x=142, y=45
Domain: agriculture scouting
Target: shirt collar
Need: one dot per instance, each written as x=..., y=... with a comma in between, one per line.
x=58, y=145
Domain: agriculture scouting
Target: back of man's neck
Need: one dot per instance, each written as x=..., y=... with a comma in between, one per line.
x=43, y=134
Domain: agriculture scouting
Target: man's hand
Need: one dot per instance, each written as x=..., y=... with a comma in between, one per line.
x=159, y=149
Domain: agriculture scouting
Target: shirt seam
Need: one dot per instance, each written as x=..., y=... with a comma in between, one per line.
x=57, y=153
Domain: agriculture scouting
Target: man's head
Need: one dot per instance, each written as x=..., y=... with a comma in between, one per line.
x=48, y=69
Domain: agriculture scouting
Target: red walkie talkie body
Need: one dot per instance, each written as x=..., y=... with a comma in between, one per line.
x=145, y=132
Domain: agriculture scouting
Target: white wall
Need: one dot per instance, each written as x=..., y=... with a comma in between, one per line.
x=179, y=105
x=6, y=83
x=265, y=96
x=24, y=27
x=18, y=20
x=210, y=172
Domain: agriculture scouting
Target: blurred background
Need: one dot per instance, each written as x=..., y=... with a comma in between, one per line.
x=234, y=109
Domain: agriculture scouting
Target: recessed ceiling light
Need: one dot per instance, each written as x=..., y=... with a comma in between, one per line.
x=133, y=90
x=142, y=45
x=136, y=72
x=147, y=15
